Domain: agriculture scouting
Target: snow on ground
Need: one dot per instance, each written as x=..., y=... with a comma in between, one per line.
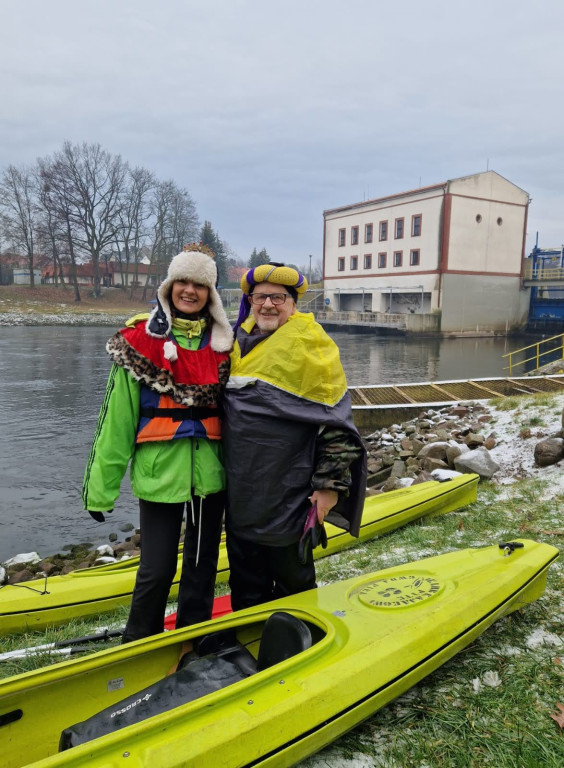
x=514, y=453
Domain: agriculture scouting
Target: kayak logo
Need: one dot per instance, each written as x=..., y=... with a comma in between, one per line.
x=399, y=591
x=122, y=711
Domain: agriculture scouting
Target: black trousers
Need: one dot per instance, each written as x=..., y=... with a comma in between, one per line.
x=259, y=573
x=160, y=526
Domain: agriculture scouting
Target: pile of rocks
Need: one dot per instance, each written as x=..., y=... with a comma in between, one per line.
x=30, y=565
x=437, y=443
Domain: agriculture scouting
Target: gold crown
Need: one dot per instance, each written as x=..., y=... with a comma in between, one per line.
x=201, y=248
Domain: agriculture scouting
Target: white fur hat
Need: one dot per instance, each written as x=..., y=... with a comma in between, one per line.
x=194, y=263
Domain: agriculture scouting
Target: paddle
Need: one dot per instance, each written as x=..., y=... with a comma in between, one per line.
x=221, y=606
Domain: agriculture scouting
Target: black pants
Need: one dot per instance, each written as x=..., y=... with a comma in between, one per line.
x=160, y=536
x=259, y=573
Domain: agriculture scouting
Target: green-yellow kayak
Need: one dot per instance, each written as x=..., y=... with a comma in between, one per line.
x=287, y=678
x=92, y=591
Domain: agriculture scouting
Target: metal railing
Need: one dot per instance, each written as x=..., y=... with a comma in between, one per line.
x=543, y=274
x=538, y=355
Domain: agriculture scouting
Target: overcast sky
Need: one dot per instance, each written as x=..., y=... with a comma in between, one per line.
x=270, y=111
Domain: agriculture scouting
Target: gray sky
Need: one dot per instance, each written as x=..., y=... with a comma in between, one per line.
x=270, y=111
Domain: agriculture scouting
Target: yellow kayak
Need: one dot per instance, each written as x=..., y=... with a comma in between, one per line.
x=37, y=604
x=269, y=685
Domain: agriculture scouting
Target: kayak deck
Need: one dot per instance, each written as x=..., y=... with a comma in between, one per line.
x=372, y=638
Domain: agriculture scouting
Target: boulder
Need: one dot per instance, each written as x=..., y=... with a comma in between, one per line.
x=25, y=558
x=478, y=461
x=549, y=451
x=437, y=450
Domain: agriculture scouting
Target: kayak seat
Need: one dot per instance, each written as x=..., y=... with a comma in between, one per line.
x=283, y=636
x=195, y=677
x=219, y=660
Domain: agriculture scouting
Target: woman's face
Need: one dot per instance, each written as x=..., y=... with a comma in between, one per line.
x=189, y=297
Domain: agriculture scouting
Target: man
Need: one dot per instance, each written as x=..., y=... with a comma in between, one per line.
x=289, y=439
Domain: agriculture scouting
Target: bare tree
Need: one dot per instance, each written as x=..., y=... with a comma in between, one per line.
x=134, y=214
x=174, y=224
x=18, y=188
x=95, y=184
x=57, y=198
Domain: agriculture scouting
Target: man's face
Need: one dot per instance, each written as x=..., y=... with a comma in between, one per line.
x=268, y=316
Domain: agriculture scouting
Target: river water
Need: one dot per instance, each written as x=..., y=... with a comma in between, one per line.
x=54, y=377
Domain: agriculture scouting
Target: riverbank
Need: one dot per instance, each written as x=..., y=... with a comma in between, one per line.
x=56, y=305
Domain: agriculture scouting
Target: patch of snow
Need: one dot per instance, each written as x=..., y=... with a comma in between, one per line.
x=540, y=637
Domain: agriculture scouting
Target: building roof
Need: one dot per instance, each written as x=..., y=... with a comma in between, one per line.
x=443, y=185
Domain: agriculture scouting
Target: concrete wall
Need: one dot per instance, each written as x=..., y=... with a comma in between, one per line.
x=482, y=304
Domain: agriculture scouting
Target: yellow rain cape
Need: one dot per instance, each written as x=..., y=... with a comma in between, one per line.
x=299, y=358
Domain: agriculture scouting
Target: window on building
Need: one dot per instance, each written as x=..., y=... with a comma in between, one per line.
x=341, y=263
x=414, y=258
x=354, y=235
x=383, y=230
x=382, y=259
x=342, y=237
x=354, y=262
x=398, y=258
x=416, y=225
x=367, y=261
x=368, y=233
x=399, y=229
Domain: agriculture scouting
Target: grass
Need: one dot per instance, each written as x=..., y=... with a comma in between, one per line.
x=444, y=722
x=52, y=299
x=453, y=718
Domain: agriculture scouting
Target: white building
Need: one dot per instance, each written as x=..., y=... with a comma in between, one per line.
x=456, y=248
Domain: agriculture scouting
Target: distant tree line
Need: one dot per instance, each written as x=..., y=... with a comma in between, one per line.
x=83, y=204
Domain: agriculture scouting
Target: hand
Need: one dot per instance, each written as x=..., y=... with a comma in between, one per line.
x=325, y=501
x=313, y=535
x=98, y=516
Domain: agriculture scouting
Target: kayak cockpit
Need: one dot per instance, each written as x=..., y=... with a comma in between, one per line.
x=215, y=661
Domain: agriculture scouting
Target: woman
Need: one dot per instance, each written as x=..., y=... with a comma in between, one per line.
x=161, y=414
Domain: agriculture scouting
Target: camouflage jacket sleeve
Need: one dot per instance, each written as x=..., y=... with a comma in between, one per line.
x=336, y=450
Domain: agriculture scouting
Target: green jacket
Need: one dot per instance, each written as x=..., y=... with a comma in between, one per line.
x=167, y=472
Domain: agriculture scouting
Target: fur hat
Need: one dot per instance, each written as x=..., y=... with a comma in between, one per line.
x=194, y=263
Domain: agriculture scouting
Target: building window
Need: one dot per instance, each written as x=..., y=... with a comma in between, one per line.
x=499, y=221
x=398, y=258
x=399, y=229
x=382, y=258
x=414, y=258
x=354, y=235
x=368, y=233
x=342, y=237
x=383, y=230
x=367, y=261
x=416, y=225
x=354, y=262
x=341, y=263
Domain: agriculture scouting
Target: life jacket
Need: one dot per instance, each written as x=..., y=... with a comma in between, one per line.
x=161, y=418
x=178, y=398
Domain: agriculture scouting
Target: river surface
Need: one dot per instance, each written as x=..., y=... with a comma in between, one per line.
x=54, y=378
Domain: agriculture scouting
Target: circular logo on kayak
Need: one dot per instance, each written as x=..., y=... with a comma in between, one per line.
x=399, y=591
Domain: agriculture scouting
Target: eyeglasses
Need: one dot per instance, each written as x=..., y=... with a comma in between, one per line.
x=276, y=298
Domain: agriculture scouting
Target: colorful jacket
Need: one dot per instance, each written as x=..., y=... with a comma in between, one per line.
x=289, y=431
x=169, y=470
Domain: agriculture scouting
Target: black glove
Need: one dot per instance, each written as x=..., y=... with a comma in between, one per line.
x=98, y=516
x=313, y=535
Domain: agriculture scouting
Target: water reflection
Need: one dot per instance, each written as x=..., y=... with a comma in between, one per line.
x=53, y=381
